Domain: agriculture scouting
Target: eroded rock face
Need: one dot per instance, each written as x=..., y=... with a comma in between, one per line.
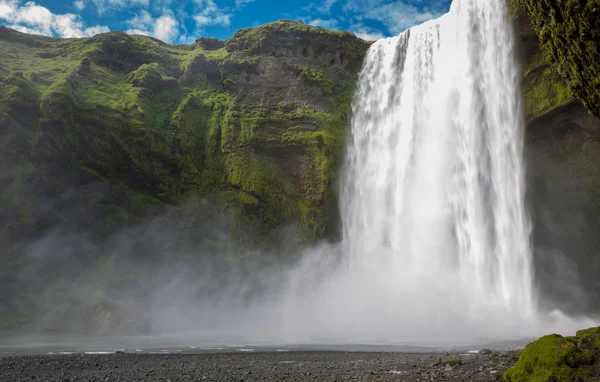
x=569, y=32
x=258, y=120
x=563, y=193
x=563, y=182
x=335, y=51
x=225, y=143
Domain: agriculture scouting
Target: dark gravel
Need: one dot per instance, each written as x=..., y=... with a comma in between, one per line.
x=271, y=366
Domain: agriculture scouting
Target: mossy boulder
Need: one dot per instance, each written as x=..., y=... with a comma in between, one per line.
x=561, y=359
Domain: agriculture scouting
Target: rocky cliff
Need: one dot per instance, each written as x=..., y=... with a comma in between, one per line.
x=563, y=178
x=102, y=132
x=569, y=32
x=119, y=147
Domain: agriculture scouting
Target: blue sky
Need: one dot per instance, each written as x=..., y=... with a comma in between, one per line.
x=182, y=21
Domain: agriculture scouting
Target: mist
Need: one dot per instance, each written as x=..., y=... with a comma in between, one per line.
x=134, y=283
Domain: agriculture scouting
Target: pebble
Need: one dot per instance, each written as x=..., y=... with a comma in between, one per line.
x=304, y=366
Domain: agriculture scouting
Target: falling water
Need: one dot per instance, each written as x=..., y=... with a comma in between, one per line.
x=436, y=236
x=435, y=181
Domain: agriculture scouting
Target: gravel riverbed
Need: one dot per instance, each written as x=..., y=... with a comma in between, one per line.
x=259, y=366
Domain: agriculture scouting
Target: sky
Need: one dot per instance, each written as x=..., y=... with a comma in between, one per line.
x=183, y=21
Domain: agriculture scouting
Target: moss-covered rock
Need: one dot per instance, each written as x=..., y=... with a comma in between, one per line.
x=544, y=89
x=561, y=359
x=562, y=155
x=105, y=133
x=138, y=116
x=569, y=31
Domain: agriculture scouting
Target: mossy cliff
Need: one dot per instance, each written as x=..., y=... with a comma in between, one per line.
x=563, y=178
x=544, y=89
x=131, y=124
x=116, y=148
x=560, y=359
x=563, y=152
x=569, y=32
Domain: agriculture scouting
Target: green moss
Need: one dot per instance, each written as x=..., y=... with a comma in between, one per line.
x=454, y=362
x=151, y=77
x=209, y=55
x=551, y=356
x=135, y=116
x=105, y=94
x=544, y=89
x=158, y=109
x=315, y=77
x=569, y=32
x=587, y=333
x=250, y=39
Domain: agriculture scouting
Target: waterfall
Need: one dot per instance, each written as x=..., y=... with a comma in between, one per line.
x=434, y=188
x=436, y=236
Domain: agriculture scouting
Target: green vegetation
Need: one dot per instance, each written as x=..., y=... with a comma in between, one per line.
x=257, y=39
x=555, y=357
x=454, y=362
x=106, y=134
x=569, y=32
x=152, y=124
x=544, y=89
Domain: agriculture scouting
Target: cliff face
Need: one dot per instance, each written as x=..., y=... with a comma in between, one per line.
x=569, y=32
x=102, y=132
x=562, y=152
x=121, y=148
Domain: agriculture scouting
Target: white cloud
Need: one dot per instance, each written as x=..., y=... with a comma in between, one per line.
x=32, y=18
x=141, y=20
x=98, y=29
x=23, y=29
x=106, y=5
x=242, y=3
x=209, y=13
x=185, y=39
x=325, y=6
x=398, y=15
x=365, y=32
x=164, y=28
x=327, y=24
x=369, y=36
x=6, y=10
x=79, y=4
